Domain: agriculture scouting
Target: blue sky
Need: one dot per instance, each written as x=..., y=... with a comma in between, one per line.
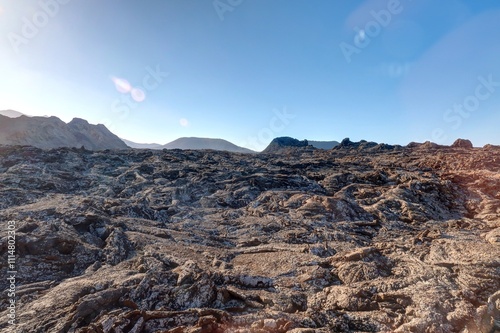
x=250, y=70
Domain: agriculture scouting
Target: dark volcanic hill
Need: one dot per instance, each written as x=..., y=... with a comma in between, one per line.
x=52, y=132
x=282, y=144
x=345, y=240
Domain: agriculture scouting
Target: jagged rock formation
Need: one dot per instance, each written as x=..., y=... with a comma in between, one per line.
x=52, y=132
x=201, y=241
x=427, y=145
x=282, y=144
x=364, y=145
x=462, y=143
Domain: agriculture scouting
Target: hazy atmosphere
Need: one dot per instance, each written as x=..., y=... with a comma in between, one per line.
x=248, y=71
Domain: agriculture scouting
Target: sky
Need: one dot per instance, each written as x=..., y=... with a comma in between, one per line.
x=392, y=71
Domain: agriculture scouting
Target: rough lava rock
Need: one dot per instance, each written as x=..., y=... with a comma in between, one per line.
x=283, y=143
x=462, y=143
x=346, y=240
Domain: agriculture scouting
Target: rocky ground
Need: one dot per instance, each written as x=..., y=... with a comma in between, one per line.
x=356, y=239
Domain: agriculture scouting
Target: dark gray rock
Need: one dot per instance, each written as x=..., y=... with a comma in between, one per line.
x=344, y=240
x=283, y=144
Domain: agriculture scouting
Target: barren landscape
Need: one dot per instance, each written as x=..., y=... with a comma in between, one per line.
x=360, y=238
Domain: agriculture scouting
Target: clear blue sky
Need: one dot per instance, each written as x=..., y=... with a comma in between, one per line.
x=382, y=70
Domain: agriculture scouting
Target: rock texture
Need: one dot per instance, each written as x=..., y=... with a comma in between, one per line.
x=52, y=132
x=396, y=240
x=462, y=143
x=364, y=146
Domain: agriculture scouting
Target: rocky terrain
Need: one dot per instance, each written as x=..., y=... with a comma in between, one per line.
x=52, y=132
x=361, y=238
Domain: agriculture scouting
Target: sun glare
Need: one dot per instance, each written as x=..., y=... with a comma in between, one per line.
x=122, y=85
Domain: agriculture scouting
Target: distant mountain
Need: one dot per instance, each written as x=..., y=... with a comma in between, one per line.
x=136, y=145
x=52, y=132
x=323, y=144
x=194, y=144
x=11, y=113
x=206, y=143
x=283, y=143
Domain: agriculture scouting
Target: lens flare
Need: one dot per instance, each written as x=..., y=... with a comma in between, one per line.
x=122, y=85
x=138, y=95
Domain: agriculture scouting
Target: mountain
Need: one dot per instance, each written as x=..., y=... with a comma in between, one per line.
x=323, y=144
x=11, y=113
x=192, y=144
x=52, y=132
x=136, y=145
x=284, y=143
x=206, y=143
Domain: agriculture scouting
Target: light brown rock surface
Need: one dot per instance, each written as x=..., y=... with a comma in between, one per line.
x=348, y=240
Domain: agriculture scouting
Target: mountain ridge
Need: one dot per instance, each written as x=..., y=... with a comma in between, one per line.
x=193, y=143
x=52, y=132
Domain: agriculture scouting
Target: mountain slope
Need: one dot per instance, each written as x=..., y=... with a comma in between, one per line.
x=206, y=143
x=136, y=145
x=52, y=132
